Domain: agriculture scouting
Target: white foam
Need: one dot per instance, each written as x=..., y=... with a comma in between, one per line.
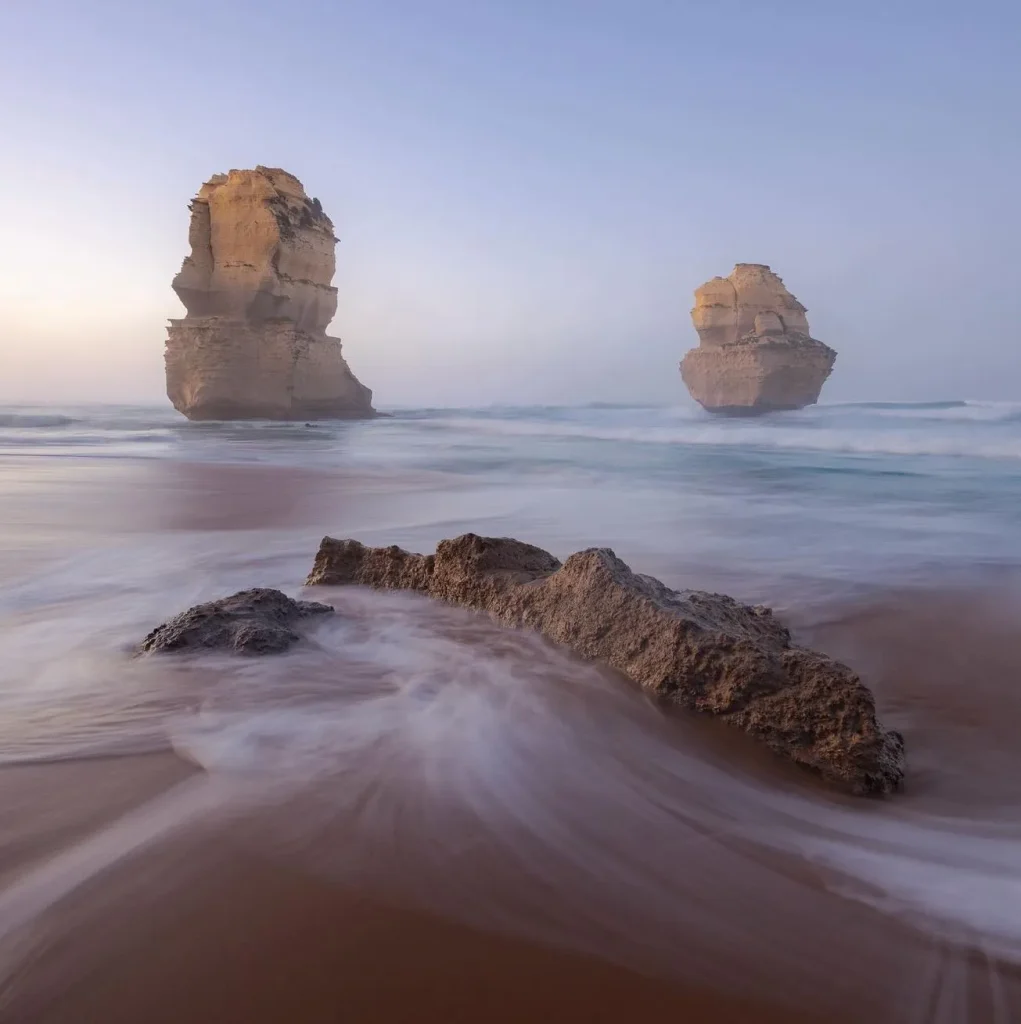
x=773, y=435
x=971, y=903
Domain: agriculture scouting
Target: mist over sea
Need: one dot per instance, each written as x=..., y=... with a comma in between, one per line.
x=423, y=755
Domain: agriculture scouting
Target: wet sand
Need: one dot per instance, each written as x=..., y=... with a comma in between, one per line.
x=431, y=819
x=200, y=930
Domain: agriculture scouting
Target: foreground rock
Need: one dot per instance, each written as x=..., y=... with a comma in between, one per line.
x=257, y=288
x=755, y=352
x=703, y=651
x=256, y=621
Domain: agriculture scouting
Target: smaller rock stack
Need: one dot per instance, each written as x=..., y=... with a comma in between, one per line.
x=755, y=352
x=257, y=288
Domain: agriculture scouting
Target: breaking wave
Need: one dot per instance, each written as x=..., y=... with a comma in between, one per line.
x=793, y=435
x=953, y=429
x=30, y=420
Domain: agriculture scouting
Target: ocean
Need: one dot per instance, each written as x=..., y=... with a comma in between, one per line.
x=425, y=759
x=857, y=492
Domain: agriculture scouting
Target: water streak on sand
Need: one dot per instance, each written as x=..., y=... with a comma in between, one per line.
x=424, y=756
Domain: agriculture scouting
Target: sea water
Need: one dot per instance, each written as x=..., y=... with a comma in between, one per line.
x=857, y=491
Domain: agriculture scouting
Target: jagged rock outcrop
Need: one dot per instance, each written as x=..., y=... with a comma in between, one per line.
x=259, y=621
x=755, y=352
x=259, y=295
x=703, y=651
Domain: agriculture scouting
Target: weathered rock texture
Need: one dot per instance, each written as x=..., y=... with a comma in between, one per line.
x=257, y=288
x=755, y=351
x=703, y=651
x=259, y=621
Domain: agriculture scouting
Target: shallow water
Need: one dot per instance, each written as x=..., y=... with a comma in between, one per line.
x=423, y=755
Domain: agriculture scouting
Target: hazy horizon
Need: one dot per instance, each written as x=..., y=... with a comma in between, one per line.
x=526, y=194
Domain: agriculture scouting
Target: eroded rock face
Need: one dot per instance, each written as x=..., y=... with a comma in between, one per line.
x=259, y=295
x=755, y=352
x=259, y=621
x=703, y=651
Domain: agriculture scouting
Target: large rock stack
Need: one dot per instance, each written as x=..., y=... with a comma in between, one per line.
x=755, y=351
x=257, y=288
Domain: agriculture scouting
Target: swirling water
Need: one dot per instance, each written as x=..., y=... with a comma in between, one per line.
x=425, y=754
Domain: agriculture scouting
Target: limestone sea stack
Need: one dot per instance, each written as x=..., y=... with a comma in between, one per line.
x=756, y=353
x=703, y=651
x=259, y=295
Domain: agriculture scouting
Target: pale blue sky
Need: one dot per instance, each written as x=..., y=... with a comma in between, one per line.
x=526, y=193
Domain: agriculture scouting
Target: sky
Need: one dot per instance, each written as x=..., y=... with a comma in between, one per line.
x=527, y=192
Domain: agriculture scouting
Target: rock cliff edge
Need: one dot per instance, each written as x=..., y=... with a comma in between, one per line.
x=258, y=292
x=755, y=352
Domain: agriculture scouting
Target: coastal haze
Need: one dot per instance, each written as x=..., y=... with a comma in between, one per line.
x=417, y=813
x=526, y=194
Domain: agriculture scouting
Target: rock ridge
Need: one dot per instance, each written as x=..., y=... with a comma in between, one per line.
x=703, y=651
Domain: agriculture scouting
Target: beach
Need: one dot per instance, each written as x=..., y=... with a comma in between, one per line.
x=418, y=815
x=222, y=934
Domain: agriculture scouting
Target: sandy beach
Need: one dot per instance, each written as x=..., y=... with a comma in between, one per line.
x=418, y=815
x=200, y=930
